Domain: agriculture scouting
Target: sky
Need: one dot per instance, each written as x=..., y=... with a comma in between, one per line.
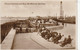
x=50, y=8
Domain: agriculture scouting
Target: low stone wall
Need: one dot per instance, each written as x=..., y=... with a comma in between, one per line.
x=8, y=41
x=52, y=28
x=5, y=29
x=55, y=27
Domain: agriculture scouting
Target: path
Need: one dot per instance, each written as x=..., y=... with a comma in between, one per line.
x=24, y=41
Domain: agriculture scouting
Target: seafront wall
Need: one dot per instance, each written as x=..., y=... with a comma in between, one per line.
x=8, y=41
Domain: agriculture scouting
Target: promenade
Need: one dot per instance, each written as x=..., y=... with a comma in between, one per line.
x=24, y=41
x=35, y=41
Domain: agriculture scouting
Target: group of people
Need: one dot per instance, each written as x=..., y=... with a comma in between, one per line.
x=54, y=36
x=66, y=41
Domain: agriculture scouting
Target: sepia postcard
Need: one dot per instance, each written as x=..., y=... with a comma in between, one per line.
x=38, y=25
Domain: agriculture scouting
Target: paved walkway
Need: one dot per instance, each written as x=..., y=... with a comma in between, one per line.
x=33, y=41
x=24, y=41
